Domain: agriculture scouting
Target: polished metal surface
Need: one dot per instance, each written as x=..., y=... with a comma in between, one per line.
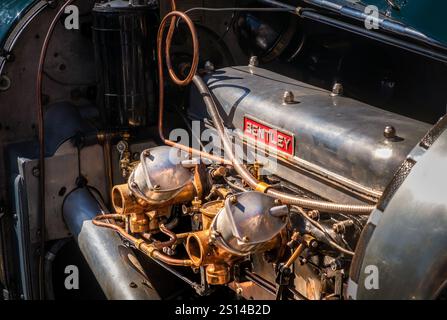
x=337, y=138
x=62, y=172
x=160, y=176
x=409, y=239
x=247, y=221
x=115, y=266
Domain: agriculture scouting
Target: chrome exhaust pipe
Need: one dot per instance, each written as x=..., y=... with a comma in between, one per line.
x=114, y=265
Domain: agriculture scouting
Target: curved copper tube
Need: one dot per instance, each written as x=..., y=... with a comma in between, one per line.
x=140, y=244
x=188, y=79
x=172, y=238
x=41, y=133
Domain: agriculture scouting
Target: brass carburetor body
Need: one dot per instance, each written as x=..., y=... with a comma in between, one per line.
x=232, y=227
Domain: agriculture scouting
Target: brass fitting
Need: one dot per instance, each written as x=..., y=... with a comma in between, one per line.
x=217, y=274
x=307, y=241
x=202, y=252
x=138, y=223
x=196, y=204
x=257, y=167
x=195, y=208
x=198, y=248
x=209, y=210
x=223, y=192
x=221, y=171
x=124, y=202
x=262, y=187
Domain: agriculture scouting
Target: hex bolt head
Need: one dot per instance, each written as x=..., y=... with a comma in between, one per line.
x=233, y=199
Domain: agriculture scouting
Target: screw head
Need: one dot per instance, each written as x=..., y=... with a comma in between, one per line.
x=185, y=209
x=389, y=132
x=254, y=61
x=288, y=97
x=36, y=172
x=209, y=66
x=337, y=89
x=5, y=83
x=122, y=146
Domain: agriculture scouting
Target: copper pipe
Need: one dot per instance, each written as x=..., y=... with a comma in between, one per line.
x=172, y=238
x=171, y=261
x=148, y=249
x=41, y=125
x=188, y=79
x=107, y=153
x=294, y=255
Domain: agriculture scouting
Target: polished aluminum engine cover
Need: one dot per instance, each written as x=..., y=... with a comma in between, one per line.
x=247, y=221
x=160, y=175
x=321, y=139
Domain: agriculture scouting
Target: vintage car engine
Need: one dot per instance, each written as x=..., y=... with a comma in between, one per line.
x=268, y=150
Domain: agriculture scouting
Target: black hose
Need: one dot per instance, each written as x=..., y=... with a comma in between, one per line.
x=49, y=259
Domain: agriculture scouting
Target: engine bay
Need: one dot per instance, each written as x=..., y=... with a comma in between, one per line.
x=258, y=150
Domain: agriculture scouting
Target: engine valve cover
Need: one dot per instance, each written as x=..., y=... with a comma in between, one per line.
x=331, y=137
